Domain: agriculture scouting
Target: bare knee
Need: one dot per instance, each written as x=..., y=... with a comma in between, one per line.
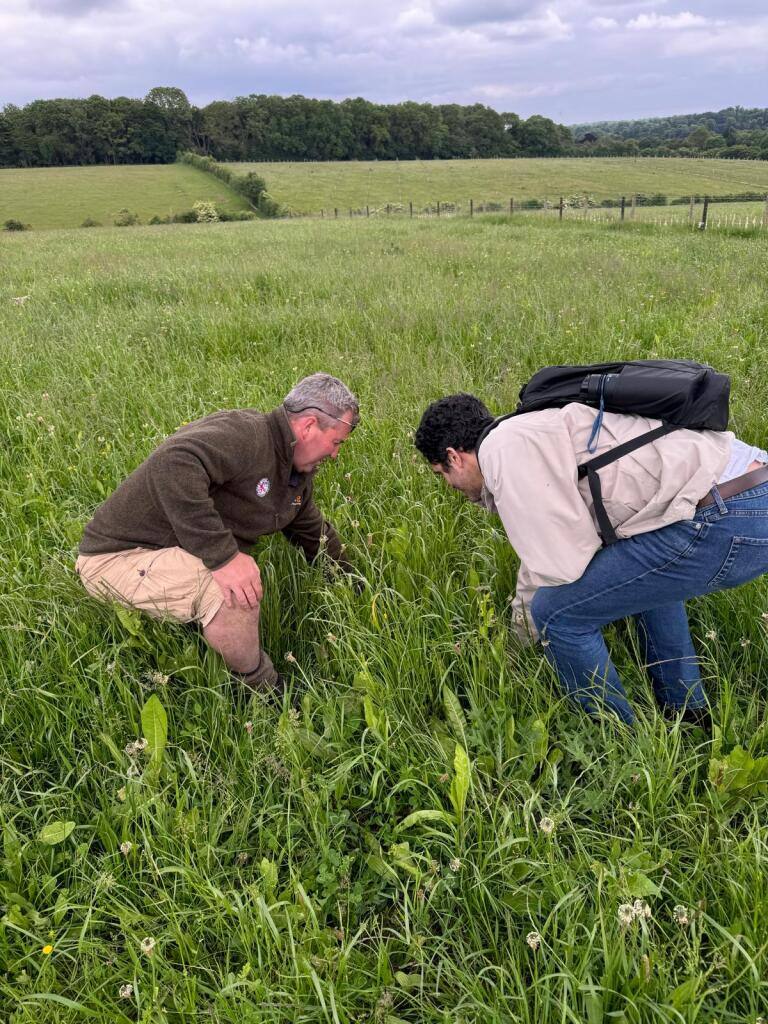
x=234, y=633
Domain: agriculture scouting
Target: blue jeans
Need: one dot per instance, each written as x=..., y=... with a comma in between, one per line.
x=650, y=576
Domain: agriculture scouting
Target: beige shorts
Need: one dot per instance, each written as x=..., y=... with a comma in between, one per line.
x=164, y=583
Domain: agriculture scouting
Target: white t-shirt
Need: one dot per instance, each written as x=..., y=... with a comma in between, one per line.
x=742, y=457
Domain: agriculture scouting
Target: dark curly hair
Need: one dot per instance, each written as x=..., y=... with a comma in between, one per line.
x=456, y=421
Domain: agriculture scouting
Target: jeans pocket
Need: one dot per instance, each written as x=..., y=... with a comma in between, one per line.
x=747, y=559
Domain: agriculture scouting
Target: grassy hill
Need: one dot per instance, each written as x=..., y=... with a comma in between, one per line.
x=62, y=197
x=309, y=187
x=272, y=867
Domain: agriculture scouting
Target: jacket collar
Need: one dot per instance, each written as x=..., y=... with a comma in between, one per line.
x=282, y=435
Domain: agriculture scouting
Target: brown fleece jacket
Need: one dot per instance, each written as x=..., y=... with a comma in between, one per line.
x=213, y=488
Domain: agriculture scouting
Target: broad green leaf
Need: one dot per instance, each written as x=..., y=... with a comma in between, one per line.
x=130, y=620
x=737, y=777
x=408, y=981
x=636, y=885
x=268, y=870
x=426, y=815
x=684, y=994
x=55, y=832
x=373, y=718
x=538, y=740
x=454, y=713
x=461, y=780
x=313, y=743
x=154, y=725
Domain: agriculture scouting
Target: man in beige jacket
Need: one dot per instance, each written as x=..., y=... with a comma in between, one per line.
x=690, y=509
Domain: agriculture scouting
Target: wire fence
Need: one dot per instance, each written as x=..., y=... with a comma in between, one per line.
x=746, y=211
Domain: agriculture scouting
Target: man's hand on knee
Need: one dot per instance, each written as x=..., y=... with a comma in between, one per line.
x=240, y=582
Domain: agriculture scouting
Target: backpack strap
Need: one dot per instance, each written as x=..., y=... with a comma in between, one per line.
x=589, y=470
x=490, y=427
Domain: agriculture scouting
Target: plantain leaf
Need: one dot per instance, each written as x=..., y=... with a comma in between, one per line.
x=426, y=815
x=55, y=832
x=454, y=713
x=461, y=780
x=154, y=725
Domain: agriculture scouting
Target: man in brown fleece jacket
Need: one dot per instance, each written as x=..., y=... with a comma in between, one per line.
x=173, y=539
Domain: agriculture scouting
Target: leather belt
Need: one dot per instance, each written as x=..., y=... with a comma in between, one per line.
x=736, y=486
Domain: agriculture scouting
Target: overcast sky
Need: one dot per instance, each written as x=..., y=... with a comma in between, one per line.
x=572, y=60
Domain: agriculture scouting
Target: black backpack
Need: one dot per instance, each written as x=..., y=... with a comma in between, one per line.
x=678, y=392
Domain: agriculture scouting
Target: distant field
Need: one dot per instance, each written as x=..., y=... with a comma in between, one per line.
x=309, y=187
x=63, y=197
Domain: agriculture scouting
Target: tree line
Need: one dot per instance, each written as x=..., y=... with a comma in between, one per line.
x=50, y=133
x=733, y=133
x=155, y=129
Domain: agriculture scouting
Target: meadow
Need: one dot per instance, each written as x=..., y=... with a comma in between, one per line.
x=431, y=834
x=310, y=187
x=63, y=197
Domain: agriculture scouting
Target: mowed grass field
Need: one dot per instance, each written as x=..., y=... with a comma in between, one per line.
x=61, y=197
x=380, y=852
x=310, y=187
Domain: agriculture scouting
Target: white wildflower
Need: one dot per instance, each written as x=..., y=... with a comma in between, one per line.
x=534, y=940
x=126, y=847
x=626, y=915
x=148, y=945
x=454, y=864
x=547, y=826
x=126, y=991
x=680, y=914
x=641, y=909
x=19, y=300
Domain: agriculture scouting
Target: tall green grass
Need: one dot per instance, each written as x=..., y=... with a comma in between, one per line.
x=376, y=853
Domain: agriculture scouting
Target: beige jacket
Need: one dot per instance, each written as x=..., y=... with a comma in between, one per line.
x=529, y=465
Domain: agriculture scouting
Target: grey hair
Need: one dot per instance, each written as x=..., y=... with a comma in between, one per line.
x=324, y=394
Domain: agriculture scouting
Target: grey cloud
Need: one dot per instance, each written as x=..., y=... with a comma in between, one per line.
x=73, y=8
x=480, y=12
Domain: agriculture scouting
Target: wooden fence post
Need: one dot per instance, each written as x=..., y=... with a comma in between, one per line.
x=350, y=211
x=387, y=209
x=322, y=214
x=335, y=212
x=765, y=213
x=560, y=207
x=703, y=222
x=410, y=208
x=511, y=205
x=633, y=209
x=438, y=207
x=623, y=204
x=471, y=208
x=690, y=210
x=367, y=211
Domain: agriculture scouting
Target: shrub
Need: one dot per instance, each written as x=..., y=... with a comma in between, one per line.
x=126, y=219
x=15, y=225
x=269, y=207
x=89, y=222
x=205, y=212
x=184, y=217
x=237, y=215
x=157, y=220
